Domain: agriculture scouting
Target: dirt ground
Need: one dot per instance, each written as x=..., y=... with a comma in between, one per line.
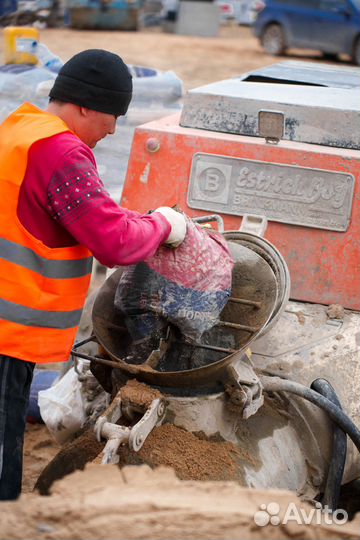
x=196, y=60
x=138, y=503
x=39, y=449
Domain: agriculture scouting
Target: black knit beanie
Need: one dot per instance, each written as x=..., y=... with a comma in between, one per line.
x=95, y=79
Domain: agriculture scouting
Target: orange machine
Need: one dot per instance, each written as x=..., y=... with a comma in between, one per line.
x=276, y=143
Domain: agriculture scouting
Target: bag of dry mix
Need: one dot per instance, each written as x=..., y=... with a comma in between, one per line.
x=186, y=287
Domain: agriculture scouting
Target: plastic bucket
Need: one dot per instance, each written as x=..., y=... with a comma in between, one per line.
x=20, y=45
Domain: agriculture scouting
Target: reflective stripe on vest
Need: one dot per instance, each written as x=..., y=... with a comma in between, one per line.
x=26, y=257
x=61, y=320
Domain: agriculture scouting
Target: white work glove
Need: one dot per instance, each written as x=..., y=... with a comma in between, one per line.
x=178, y=225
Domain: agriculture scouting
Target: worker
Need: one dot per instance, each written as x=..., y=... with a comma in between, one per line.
x=55, y=214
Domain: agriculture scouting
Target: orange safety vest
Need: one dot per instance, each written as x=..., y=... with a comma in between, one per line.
x=42, y=289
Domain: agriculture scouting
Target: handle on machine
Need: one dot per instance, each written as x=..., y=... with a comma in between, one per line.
x=208, y=219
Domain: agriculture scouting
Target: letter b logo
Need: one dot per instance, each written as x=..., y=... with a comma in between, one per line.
x=212, y=181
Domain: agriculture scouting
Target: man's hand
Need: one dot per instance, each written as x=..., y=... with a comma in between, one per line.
x=178, y=225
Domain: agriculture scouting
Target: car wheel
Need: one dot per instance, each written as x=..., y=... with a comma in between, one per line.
x=273, y=40
x=356, y=53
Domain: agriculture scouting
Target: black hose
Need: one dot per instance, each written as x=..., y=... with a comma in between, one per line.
x=275, y=384
x=336, y=470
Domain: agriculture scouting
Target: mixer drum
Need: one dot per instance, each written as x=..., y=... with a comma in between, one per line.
x=177, y=364
x=286, y=443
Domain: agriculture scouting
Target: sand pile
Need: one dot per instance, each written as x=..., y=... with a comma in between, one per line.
x=192, y=456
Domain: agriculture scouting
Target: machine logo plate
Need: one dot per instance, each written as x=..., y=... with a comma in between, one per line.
x=284, y=193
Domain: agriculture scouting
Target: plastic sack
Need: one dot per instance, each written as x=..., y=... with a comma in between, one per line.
x=19, y=83
x=42, y=380
x=62, y=407
x=152, y=86
x=187, y=287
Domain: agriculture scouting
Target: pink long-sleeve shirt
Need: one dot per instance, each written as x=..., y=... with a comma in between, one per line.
x=63, y=202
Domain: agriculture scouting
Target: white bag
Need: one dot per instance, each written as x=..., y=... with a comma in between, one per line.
x=62, y=407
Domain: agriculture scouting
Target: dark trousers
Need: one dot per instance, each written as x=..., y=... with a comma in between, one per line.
x=15, y=380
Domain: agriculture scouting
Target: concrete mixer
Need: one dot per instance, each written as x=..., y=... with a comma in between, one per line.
x=275, y=154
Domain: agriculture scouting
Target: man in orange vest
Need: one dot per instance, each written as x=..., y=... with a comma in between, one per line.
x=55, y=214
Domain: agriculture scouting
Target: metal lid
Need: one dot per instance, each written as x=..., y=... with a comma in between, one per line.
x=319, y=104
x=306, y=73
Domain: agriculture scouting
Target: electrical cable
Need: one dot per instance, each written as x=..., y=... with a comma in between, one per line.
x=276, y=384
x=332, y=488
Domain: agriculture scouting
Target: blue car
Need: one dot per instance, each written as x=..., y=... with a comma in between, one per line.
x=329, y=26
